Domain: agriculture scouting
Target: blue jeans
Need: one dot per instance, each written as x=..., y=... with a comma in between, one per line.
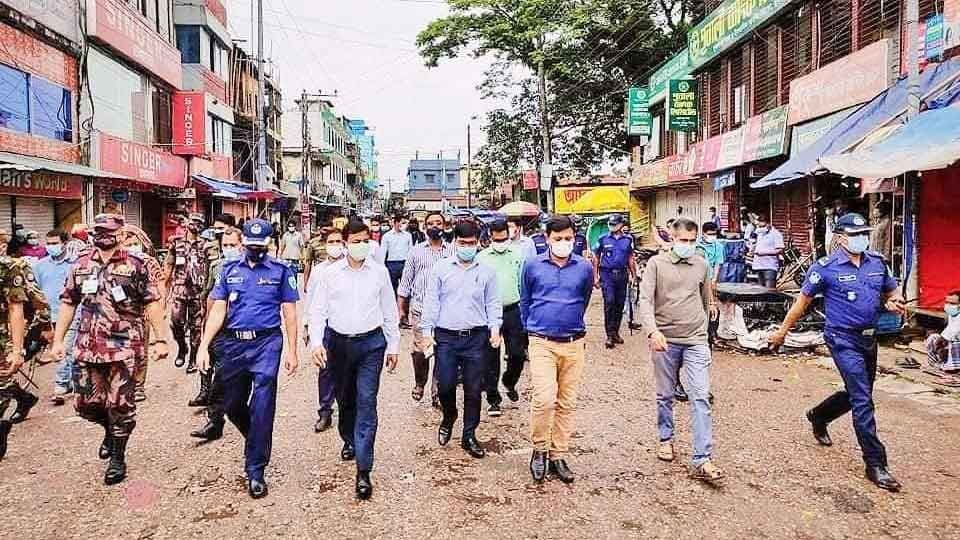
x=250, y=393
x=357, y=364
x=613, y=283
x=68, y=374
x=695, y=362
x=467, y=353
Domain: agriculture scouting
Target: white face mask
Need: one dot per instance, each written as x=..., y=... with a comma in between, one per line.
x=561, y=248
x=358, y=251
x=334, y=251
x=500, y=247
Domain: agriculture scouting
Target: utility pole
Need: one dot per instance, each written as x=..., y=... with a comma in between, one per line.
x=469, y=170
x=913, y=109
x=305, y=156
x=261, y=176
x=546, y=168
x=443, y=184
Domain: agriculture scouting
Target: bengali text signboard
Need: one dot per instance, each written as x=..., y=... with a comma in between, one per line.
x=732, y=21
x=639, y=121
x=677, y=67
x=682, y=105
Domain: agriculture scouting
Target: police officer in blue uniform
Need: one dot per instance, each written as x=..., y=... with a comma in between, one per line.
x=614, y=265
x=579, y=239
x=249, y=297
x=540, y=238
x=856, y=284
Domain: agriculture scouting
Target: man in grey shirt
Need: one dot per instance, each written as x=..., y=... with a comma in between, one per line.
x=675, y=298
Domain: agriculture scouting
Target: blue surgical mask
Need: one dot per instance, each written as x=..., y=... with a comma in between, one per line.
x=952, y=310
x=684, y=251
x=466, y=253
x=231, y=253
x=858, y=244
x=54, y=250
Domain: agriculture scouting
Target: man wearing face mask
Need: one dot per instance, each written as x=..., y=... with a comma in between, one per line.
x=115, y=296
x=248, y=299
x=291, y=246
x=462, y=315
x=51, y=273
x=856, y=284
x=766, y=253
x=507, y=263
x=675, y=300
x=138, y=245
x=211, y=383
x=614, y=267
x=521, y=242
x=410, y=293
x=326, y=386
x=185, y=274
x=943, y=349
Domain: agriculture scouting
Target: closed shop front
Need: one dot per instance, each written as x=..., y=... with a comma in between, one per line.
x=39, y=201
x=790, y=212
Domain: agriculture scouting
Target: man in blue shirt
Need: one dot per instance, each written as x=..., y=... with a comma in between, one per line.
x=249, y=296
x=396, y=244
x=614, y=266
x=51, y=273
x=555, y=290
x=856, y=284
x=462, y=314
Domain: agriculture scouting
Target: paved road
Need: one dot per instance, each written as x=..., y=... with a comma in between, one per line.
x=780, y=485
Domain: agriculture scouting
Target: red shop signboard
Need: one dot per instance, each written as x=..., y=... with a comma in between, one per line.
x=141, y=163
x=40, y=184
x=189, y=123
x=122, y=28
x=531, y=180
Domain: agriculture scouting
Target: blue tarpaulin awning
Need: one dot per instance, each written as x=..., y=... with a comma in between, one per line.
x=227, y=190
x=929, y=141
x=878, y=112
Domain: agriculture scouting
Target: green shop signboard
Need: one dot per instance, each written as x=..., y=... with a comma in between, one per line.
x=677, y=67
x=727, y=25
x=682, y=105
x=639, y=121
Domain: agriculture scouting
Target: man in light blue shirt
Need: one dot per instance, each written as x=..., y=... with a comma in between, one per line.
x=51, y=274
x=523, y=244
x=396, y=244
x=462, y=313
x=766, y=253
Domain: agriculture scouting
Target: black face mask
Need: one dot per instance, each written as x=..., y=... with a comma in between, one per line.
x=256, y=253
x=105, y=241
x=434, y=233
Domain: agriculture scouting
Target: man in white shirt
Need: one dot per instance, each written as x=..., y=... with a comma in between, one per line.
x=355, y=306
x=396, y=244
x=326, y=386
x=523, y=244
x=291, y=247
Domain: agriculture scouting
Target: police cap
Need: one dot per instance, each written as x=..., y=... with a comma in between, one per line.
x=852, y=224
x=615, y=219
x=256, y=232
x=108, y=222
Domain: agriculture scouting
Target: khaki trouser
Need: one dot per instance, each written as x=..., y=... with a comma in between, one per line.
x=555, y=370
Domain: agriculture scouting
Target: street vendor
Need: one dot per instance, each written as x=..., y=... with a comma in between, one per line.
x=943, y=349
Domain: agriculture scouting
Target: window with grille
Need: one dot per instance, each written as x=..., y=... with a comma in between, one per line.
x=878, y=19
x=715, y=103
x=796, y=33
x=739, y=84
x=765, y=66
x=836, y=30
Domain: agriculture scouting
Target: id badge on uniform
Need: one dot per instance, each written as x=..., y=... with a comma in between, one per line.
x=89, y=286
x=119, y=295
x=233, y=296
x=180, y=260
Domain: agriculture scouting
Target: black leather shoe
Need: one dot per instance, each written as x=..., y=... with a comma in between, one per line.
x=192, y=366
x=618, y=339
x=443, y=434
x=513, y=394
x=680, y=394
x=560, y=469
x=472, y=446
x=5, y=426
x=820, y=432
x=180, y=361
x=202, y=400
x=257, y=488
x=323, y=423
x=364, y=486
x=610, y=343
x=104, y=451
x=538, y=466
x=25, y=402
x=209, y=432
x=347, y=453
x=880, y=476
x=117, y=468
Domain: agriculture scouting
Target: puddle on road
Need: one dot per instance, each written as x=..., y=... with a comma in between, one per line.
x=847, y=500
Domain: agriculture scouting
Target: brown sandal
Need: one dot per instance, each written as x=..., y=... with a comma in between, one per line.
x=707, y=472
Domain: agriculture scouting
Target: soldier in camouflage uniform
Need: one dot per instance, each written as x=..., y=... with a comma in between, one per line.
x=185, y=275
x=138, y=244
x=315, y=252
x=23, y=311
x=211, y=252
x=211, y=381
x=113, y=290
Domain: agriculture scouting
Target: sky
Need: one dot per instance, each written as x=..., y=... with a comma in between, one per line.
x=365, y=51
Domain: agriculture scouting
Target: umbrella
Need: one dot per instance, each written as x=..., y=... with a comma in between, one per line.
x=520, y=209
x=599, y=201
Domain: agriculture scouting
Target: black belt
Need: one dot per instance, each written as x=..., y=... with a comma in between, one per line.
x=868, y=332
x=250, y=335
x=614, y=270
x=557, y=339
x=461, y=333
x=361, y=335
x=511, y=307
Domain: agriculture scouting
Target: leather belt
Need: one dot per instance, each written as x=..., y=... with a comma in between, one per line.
x=868, y=332
x=511, y=307
x=361, y=335
x=461, y=333
x=250, y=335
x=560, y=339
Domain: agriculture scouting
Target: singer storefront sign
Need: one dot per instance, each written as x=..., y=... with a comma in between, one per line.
x=189, y=121
x=141, y=163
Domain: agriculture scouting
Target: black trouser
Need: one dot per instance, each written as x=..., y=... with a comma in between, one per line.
x=215, y=391
x=464, y=352
x=395, y=269
x=515, y=342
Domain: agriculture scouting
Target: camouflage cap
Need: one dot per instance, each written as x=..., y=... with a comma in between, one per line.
x=108, y=222
x=197, y=217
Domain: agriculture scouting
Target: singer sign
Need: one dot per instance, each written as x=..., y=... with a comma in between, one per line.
x=189, y=121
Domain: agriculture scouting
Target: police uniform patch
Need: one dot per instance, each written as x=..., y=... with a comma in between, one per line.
x=823, y=261
x=852, y=296
x=815, y=278
x=292, y=281
x=256, y=228
x=859, y=222
x=17, y=281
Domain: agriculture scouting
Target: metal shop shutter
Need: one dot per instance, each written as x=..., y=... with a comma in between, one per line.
x=131, y=209
x=36, y=214
x=6, y=214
